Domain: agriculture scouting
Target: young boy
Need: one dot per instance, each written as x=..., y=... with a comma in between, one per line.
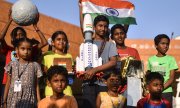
x=57, y=79
x=111, y=98
x=118, y=34
x=91, y=85
x=154, y=84
x=164, y=64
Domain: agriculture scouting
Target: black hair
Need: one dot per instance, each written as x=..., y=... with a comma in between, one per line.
x=152, y=76
x=14, y=34
x=53, y=37
x=113, y=72
x=100, y=18
x=20, y=40
x=158, y=38
x=60, y=70
x=114, y=27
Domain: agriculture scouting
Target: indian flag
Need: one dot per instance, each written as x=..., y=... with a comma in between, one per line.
x=117, y=11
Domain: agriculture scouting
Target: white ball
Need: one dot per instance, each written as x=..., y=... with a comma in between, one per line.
x=24, y=12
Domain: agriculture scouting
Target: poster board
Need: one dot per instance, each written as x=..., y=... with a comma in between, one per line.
x=66, y=62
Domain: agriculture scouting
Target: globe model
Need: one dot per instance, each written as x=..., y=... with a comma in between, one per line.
x=24, y=12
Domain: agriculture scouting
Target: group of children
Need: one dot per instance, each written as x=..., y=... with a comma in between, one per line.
x=22, y=70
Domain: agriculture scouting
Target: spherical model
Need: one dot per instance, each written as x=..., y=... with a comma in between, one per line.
x=24, y=12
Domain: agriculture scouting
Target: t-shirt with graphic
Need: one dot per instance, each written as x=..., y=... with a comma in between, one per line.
x=145, y=103
x=48, y=58
x=128, y=51
x=163, y=65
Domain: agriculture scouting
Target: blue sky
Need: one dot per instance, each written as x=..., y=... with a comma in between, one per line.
x=153, y=16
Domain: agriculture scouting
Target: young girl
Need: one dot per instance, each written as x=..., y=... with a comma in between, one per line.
x=18, y=32
x=111, y=98
x=22, y=90
x=60, y=47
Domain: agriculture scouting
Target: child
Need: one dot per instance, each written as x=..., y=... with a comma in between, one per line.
x=107, y=51
x=17, y=33
x=118, y=34
x=164, y=64
x=58, y=80
x=60, y=47
x=111, y=98
x=22, y=90
x=154, y=84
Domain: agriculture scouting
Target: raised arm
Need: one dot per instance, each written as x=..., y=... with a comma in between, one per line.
x=41, y=35
x=5, y=29
x=126, y=27
x=80, y=15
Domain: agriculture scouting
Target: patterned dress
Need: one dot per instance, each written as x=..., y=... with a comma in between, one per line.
x=27, y=97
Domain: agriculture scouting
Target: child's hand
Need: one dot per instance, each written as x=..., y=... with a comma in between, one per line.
x=80, y=75
x=87, y=75
x=90, y=73
x=36, y=20
x=83, y=75
x=35, y=23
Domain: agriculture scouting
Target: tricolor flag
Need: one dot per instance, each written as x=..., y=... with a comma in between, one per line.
x=118, y=11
